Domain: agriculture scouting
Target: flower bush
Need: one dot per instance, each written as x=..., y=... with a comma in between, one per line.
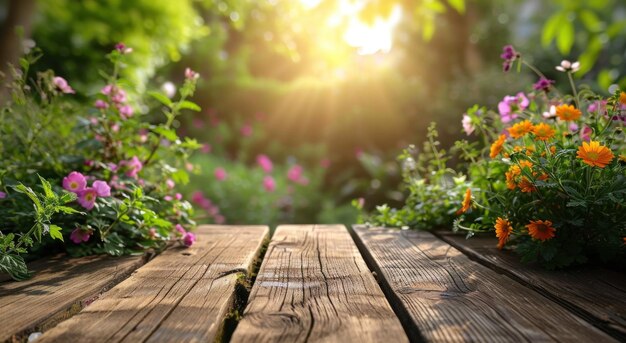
x=101, y=175
x=554, y=184
x=547, y=174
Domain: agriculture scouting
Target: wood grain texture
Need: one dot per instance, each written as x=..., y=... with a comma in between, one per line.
x=59, y=288
x=596, y=294
x=182, y=295
x=314, y=286
x=453, y=299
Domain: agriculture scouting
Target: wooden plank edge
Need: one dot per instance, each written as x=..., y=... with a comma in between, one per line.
x=409, y=326
x=571, y=307
x=239, y=298
x=60, y=316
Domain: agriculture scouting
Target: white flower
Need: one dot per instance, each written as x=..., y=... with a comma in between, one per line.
x=568, y=66
x=169, y=89
x=551, y=113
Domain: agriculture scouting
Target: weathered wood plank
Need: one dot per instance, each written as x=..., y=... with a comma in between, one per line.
x=181, y=295
x=59, y=288
x=313, y=285
x=453, y=299
x=596, y=294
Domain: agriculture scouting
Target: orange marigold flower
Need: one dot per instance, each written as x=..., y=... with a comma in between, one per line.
x=568, y=112
x=520, y=129
x=525, y=163
x=553, y=149
x=496, y=147
x=594, y=154
x=526, y=186
x=467, y=201
x=543, y=132
x=541, y=229
x=622, y=98
x=503, y=230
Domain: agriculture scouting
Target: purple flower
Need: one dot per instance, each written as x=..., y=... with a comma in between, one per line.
x=509, y=55
x=294, y=173
x=106, y=90
x=467, y=124
x=269, y=184
x=265, y=163
x=102, y=188
x=62, y=84
x=543, y=84
x=511, y=106
x=122, y=48
x=80, y=235
x=220, y=174
x=75, y=182
x=118, y=96
x=134, y=165
x=87, y=198
x=101, y=104
x=3, y=195
x=598, y=106
x=188, y=239
x=126, y=111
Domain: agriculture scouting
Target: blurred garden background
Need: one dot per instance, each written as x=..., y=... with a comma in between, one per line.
x=307, y=103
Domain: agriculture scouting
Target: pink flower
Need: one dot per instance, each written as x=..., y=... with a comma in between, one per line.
x=467, y=124
x=3, y=195
x=269, y=184
x=75, y=182
x=585, y=133
x=178, y=196
x=220, y=174
x=62, y=84
x=170, y=183
x=325, y=163
x=511, y=106
x=118, y=96
x=598, y=106
x=206, y=148
x=122, y=48
x=168, y=198
x=87, y=198
x=265, y=163
x=188, y=239
x=191, y=75
x=80, y=235
x=102, y=188
x=180, y=229
x=189, y=166
x=100, y=104
x=197, y=197
x=106, y=90
x=246, y=130
x=134, y=165
x=126, y=111
x=295, y=173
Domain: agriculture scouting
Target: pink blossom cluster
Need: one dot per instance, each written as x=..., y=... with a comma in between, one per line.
x=62, y=85
x=206, y=204
x=512, y=106
x=76, y=183
x=296, y=174
x=186, y=237
x=117, y=97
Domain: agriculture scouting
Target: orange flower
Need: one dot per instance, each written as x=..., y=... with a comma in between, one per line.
x=520, y=129
x=467, y=201
x=496, y=147
x=526, y=186
x=622, y=98
x=503, y=230
x=543, y=132
x=553, y=149
x=525, y=163
x=594, y=154
x=568, y=112
x=541, y=229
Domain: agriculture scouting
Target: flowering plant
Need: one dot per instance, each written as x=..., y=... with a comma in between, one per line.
x=552, y=183
x=103, y=176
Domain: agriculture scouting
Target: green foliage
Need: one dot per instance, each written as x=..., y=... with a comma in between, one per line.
x=118, y=198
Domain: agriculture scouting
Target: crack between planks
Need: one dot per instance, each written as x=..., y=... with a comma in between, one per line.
x=409, y=326
x=579, y=312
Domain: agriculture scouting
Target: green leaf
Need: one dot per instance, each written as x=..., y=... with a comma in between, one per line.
x=15, y=266
x=161, y=98
x=169, y=134
x=590, y=20
x=68, y=210
x=31, y=194
x=550, y=28
x=589, y=56
x=47, y=188
x=55, y=232
x=189, y=106
x=458, y=5
x=68, y=197
x=565, y=37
